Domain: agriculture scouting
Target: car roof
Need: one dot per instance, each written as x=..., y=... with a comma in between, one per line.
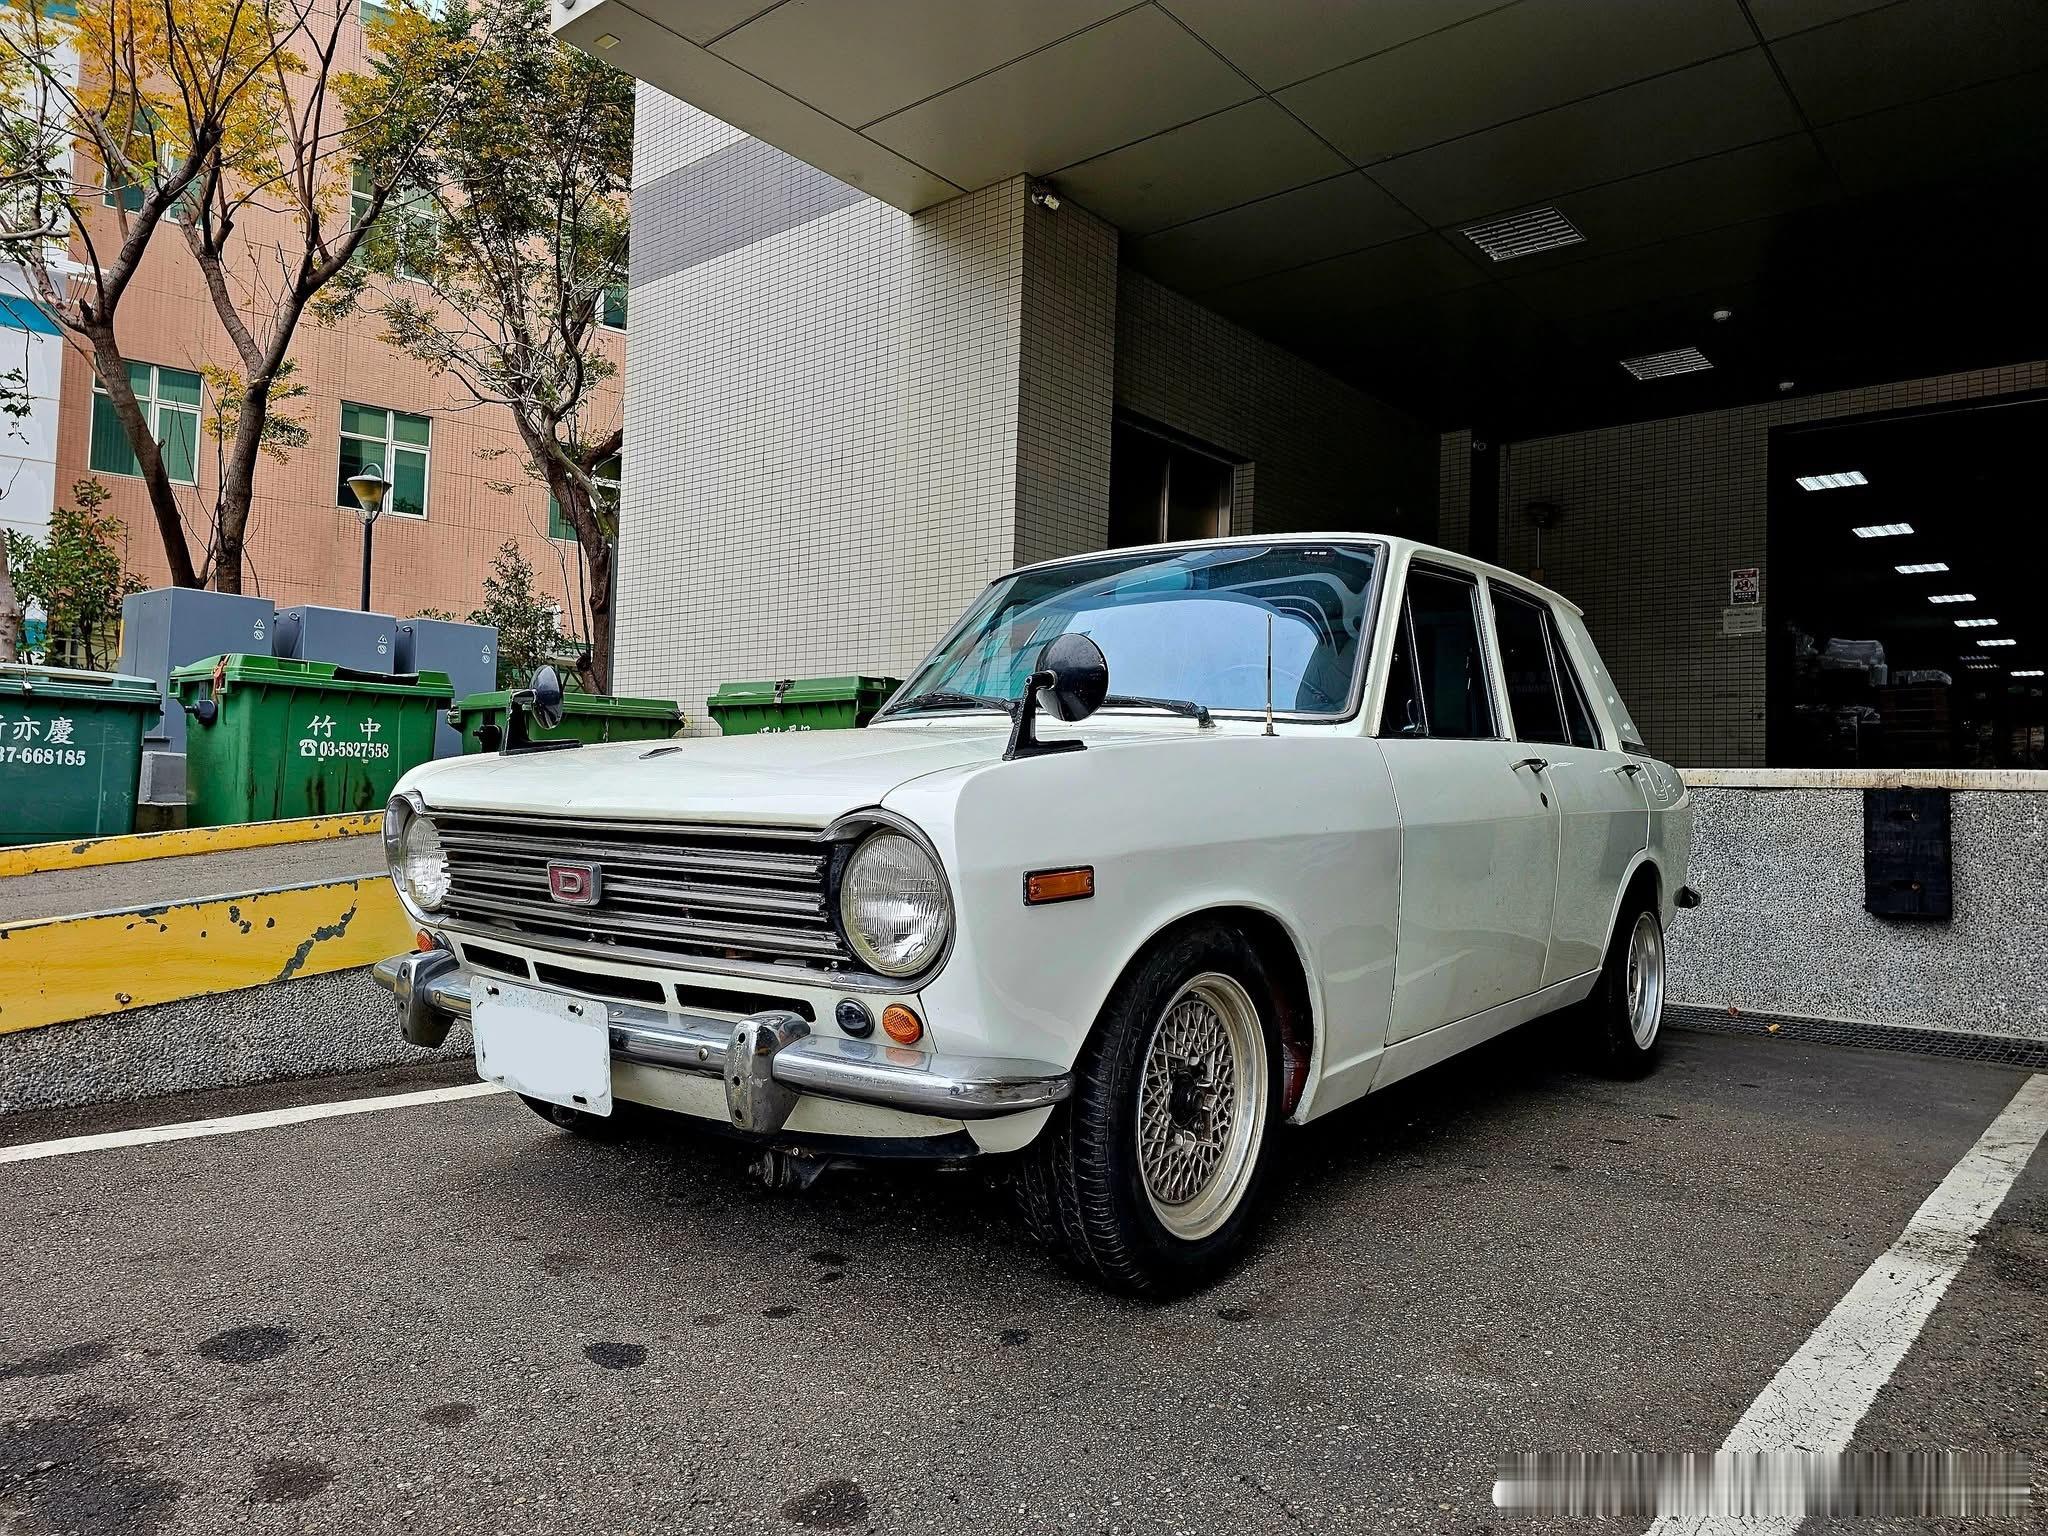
x=1395, y=546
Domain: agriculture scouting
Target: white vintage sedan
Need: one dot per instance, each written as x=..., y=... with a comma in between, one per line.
x=1160, y=850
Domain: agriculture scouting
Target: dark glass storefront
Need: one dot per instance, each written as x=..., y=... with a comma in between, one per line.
x=1907, y=622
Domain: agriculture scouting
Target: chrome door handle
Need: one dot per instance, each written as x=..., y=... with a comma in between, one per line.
x=1630, y=768
x=1538, y=763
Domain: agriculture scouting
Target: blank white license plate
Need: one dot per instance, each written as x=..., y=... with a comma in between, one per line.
x=543, y=1044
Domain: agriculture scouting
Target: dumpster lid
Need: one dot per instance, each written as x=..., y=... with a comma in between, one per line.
x=288, y=672
x=606, y=704
x=802, y=690
x=19, y=680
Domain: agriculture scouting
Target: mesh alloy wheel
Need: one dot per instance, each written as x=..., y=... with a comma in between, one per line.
x=1202, y=1105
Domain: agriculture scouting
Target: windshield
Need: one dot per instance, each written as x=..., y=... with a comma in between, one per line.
x=1186, y=624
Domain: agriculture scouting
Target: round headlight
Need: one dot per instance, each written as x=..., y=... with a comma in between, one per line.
x=422, y=867
x=894, y=904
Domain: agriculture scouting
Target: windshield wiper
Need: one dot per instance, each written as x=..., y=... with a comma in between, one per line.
x=947, y=698
x=1197, y=712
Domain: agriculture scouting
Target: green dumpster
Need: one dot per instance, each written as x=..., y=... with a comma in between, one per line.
x=799, y=704
x=588, y=717
x=267, y=737
x=70, y=751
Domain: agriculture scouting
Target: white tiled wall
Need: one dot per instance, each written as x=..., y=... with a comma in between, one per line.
x=838, y=433
x=1653, y=517
x=1318, y=454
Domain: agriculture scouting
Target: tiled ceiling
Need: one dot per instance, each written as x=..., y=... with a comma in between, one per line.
x=1849, y=177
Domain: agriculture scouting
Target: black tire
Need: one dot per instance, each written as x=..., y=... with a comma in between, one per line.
x=1082, y=1183
x=621, y=1121
x=1613, y=1046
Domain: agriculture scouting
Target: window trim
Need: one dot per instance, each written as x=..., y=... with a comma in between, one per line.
x=1546, y=622
x=342, y=433
x=153, y=404
x=1363, y=673
x=1566, y=675
x=1489, y=648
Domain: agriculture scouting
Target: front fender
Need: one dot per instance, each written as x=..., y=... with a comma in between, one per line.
x=1300, y=828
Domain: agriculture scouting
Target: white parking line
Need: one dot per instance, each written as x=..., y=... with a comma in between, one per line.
x=227, y=1125
x=1820, y=1395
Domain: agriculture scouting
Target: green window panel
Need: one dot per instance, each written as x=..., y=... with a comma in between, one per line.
x=614, y=309
x=170, y=399
x=606, y=473
x=398, y=443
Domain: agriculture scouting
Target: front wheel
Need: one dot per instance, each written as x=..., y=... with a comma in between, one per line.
x=1148, y=1177
x=1626, y=1010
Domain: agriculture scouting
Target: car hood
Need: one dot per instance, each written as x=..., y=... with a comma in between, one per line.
x=796, y=778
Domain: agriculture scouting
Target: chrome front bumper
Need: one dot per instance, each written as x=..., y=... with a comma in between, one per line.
x=767, y=1060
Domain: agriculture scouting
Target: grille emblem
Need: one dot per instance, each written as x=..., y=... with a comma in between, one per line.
x=575, y=885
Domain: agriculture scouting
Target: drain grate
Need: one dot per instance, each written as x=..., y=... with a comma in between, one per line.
x=2000, y=1050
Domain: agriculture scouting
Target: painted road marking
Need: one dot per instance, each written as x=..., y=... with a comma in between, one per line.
x=228, y=1125
x=59, y=969
x=1820, y=1395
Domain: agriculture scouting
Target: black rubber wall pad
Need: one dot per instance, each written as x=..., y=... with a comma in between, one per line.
x=2000, y=1050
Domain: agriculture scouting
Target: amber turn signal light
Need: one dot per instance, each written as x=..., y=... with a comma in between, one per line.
x=423, y=941
x=901, y=1025
x=1044, y=886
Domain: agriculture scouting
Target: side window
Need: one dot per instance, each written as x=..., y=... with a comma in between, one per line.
x=1525, y=664
x=1437, y=686
x=1578, y=714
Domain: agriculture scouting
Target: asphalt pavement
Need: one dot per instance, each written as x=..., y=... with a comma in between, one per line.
x=452, y=1318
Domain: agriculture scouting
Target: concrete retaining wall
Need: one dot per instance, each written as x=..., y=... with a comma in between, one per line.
x=306, y=1027
x=1783, y=930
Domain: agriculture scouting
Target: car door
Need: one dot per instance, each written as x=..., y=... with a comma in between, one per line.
x=1478, y=831
x=1603, y=821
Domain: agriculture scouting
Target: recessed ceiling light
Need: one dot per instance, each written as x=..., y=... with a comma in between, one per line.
x=1882, y=530
x=1976, y=624
x=2026, y=671
x=1833, y=482
x=1988, y=643
x=1952, y=597
x=1926, y=568
x=1523, y=234
x=1666, y=365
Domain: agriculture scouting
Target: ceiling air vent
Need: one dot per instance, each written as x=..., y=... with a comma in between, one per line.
x=1523, y=234
x=1667, y=365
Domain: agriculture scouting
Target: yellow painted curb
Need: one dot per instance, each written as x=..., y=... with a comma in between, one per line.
x=36, y=857
x=55, y=970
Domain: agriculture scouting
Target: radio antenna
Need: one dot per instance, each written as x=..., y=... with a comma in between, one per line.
x=1269, y=675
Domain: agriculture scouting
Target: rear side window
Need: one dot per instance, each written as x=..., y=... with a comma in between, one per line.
x=1526, y=666
x=1578, y=714
x=1436, y=685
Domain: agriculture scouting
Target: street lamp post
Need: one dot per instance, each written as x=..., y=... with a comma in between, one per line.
x=369, y=489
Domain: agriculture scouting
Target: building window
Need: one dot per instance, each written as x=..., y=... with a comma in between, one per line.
x=130, y=195
x=372, y=15
x=613, y=310
x=1163, y=488
x=394, y=441
x=606, y=475
x=1898, y=615
x=169, y=398
x=415, y=222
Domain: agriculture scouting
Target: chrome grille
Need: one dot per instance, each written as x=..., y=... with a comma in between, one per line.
x=690, y=892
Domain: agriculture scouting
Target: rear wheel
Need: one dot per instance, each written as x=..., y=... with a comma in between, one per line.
x=1148, y=1178
x=1626, y=1011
